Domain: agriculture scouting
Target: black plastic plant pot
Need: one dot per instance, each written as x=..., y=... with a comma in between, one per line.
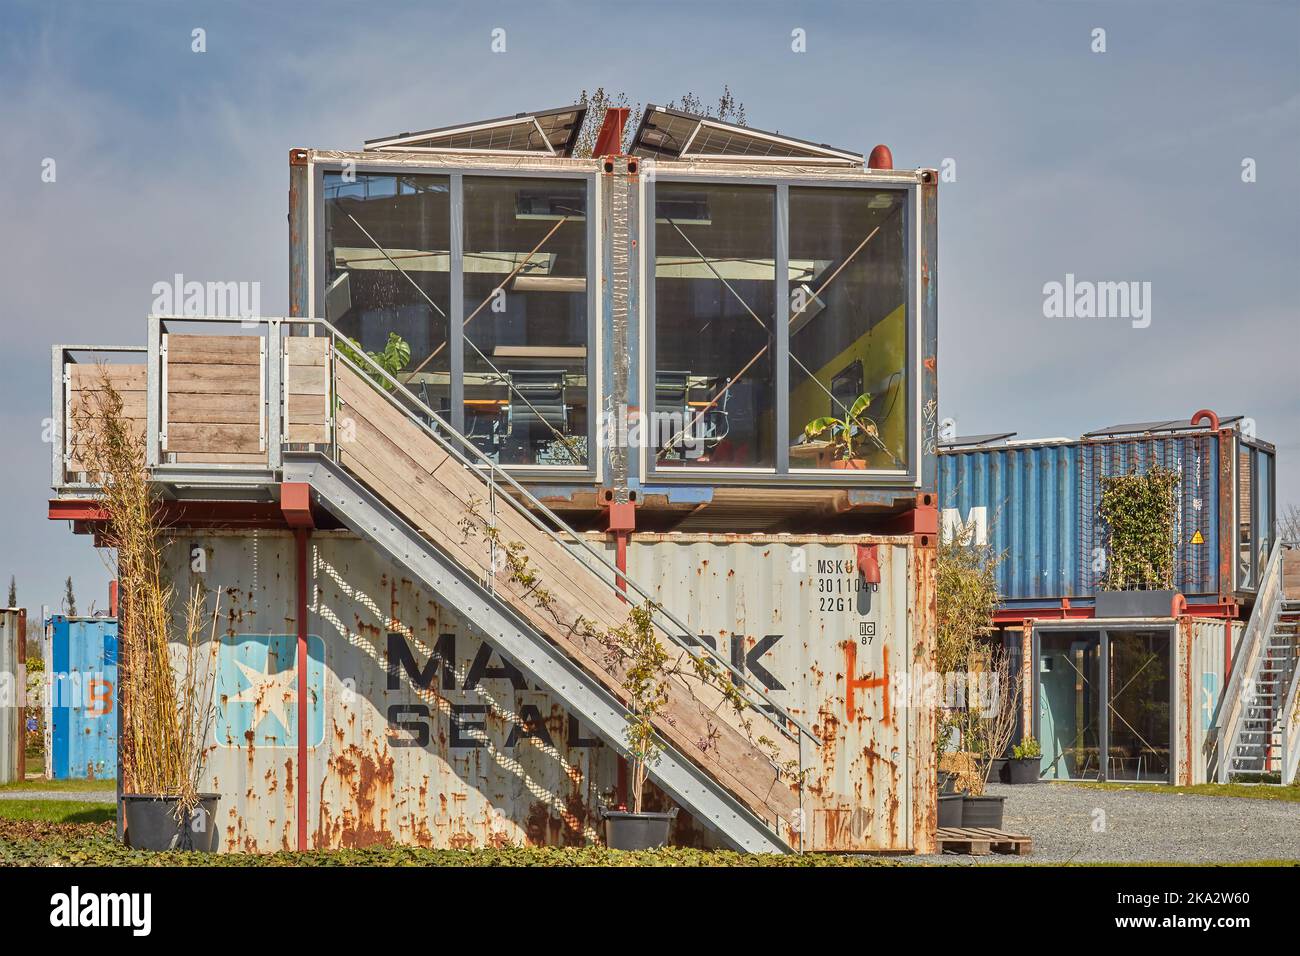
x=1024, y=769
x=982, y=812
x=155, y=823
x=946, y=783
x=950, y=810
x=998, y=771
x=637, y=831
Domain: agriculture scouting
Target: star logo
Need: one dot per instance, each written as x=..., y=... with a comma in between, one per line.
x=273, y=695
x=257, y=691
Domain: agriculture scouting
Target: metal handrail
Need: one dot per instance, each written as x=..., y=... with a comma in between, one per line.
x=1289, y=758
x=495, y=471
x=1268, y=604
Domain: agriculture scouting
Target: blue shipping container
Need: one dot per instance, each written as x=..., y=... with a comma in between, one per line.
x=83, y=712
x=1036, y=504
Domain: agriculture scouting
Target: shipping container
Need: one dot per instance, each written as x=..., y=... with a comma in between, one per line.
x=1036, y=504
x=611, y=391
x=1127, y=699
x=13, y=686
x=654, y=272
x=81, y=714
x=798, y=613
x=420, y=732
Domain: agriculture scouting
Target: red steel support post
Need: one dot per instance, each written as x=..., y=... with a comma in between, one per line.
x=621, y=523
x=301, y=536
x=295, y=504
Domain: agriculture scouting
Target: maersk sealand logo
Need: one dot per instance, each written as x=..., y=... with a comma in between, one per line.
x=257, y=690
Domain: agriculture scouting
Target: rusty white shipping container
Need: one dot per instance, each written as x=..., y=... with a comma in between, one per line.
x=1205, y=649
x=13, y=680
x=831, y=626
x=420, y=733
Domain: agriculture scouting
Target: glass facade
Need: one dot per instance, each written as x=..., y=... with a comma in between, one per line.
x=1104, y=705
x=721, y=399
x=799, y=375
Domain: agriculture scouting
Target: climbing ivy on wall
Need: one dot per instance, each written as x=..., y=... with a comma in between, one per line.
x=1137, y=511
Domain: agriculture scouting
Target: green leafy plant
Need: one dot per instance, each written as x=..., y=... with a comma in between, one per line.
x=393, y=359
x=1027, y=749
x=1137, y=511
x=845, y=436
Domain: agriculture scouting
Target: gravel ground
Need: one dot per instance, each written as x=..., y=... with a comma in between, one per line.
x=1140, y=827
x=77, y=796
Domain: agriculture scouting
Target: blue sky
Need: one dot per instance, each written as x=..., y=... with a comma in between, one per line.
x=1123, y=165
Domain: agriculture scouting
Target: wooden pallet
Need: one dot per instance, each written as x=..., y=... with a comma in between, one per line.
x=980, y=841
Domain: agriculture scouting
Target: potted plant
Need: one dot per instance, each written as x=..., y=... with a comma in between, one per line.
x=1026, y=760
x=845, y=437
x=991, y=729
x=645, y=681
x=164, y=720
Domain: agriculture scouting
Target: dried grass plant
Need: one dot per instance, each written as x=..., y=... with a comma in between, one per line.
x=163, y=723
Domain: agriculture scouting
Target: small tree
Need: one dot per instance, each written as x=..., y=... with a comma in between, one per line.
x=163, y=722
x=992, y=728
x=13, y=592
x=69, y=599
x=966, y=595
x=1288, y=524
x=645, y=681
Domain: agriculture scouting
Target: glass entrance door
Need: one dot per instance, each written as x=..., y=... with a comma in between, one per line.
x=1138, y=730
x=1069, y=704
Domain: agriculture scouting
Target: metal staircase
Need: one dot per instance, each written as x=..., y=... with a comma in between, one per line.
x=403, y=478
x=1257, y=718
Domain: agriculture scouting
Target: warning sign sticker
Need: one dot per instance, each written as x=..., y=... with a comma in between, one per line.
x=1198, y=538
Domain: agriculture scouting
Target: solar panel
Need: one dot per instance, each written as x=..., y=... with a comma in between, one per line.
x=549, y=132
x=973, y=441
x=1164, y=425
x=672, y=134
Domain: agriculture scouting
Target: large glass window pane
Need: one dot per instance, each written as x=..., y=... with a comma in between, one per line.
x=1245, y=516
x=714, y=315
x=1139, y=706
x=1263, y=510
x=1069, y=705
x=387, y=256
x=848, y=328
x=526, y=294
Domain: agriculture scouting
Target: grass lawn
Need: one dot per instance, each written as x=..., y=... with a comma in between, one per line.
x=57, y=811
x=67, y=786
x=1254, y=791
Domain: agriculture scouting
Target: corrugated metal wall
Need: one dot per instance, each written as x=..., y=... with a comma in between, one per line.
x=1039, y=506
x=794, y=612
x=1201, y=674
x=420, y=733
x=13, y=680
x=82, y=715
